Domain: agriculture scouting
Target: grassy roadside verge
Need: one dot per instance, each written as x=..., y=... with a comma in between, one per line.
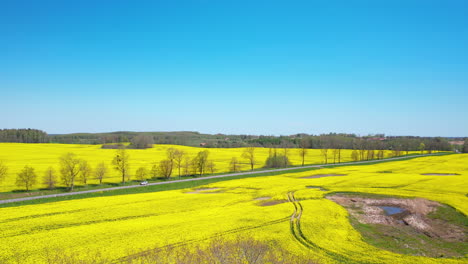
x=175, y=185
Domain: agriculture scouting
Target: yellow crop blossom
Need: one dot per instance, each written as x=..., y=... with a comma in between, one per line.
x=118, y=226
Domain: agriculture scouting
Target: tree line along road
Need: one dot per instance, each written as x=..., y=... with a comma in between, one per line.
x=207, y=177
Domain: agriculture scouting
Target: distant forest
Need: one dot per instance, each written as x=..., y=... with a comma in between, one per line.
x=24, y=136
x=145, y=139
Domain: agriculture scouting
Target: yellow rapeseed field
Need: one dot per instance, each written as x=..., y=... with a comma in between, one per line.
x=117, y=226
x=41, y=156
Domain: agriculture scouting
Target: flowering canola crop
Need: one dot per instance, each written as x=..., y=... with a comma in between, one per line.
x=41, y=156
x=118, y=226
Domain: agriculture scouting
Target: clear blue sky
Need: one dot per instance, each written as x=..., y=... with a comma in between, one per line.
x=253, y=67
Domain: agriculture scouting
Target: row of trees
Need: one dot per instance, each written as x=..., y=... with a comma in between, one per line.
x=23, y=136
x=174, y=138
x=178, y=162
x=351, y=141
x=147, y=139
x=73, y=169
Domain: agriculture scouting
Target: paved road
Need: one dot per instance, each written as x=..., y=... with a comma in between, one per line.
x=201, y=178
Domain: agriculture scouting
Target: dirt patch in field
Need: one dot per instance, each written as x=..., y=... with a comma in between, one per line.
x=317, y=187
x=262, y=198
x=323, y=175
x=274, y=202
x=440, y=174
x=413, y=226
x=204, y=190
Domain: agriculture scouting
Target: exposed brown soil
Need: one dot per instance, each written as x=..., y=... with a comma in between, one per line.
x=440, y=174
x=317, y=187
x=323, y=175
x=273, y=202
x=203, y=190
x=415, y=215
x=262, y=198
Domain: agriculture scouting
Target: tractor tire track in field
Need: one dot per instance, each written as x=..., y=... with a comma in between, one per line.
x=295, y=226
x=191, y=241
x=295, y=221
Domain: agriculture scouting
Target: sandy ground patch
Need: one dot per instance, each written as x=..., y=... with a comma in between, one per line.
x=204, y=190
x=274, y=202
x=317, y=187
x=262, y=198
x=323, y=175
x=440, y=174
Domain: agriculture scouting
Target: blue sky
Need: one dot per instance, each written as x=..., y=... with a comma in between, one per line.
x=250, y=67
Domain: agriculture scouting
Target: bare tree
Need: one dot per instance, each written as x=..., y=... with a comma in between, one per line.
x=165, y=168
x=171, y=153
x=286, y=152
x=200, y=162
x=100, y=171
x=211, y=166
x=249, y=154
x=362, y=154
x=179, y=158
x=3, y=171
x=121, y=163
x=234, y=165
x=154, y=171
x=355, y=155
x=186, y=165
x=304, y=144
x=422, y=147
x=271, y=152
x=171, y=156
x=50, y=179
x=26, y=178
x=390, y=154
x=141, y=174
x=380, y=154
x=361, y=146
x=193, y=167
x=324, y=152
x=326, y=143
x=339, y=155
x=338, y=143
x=69, y=168
x=85, y=171
x=335, y=154
x=302, y=154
